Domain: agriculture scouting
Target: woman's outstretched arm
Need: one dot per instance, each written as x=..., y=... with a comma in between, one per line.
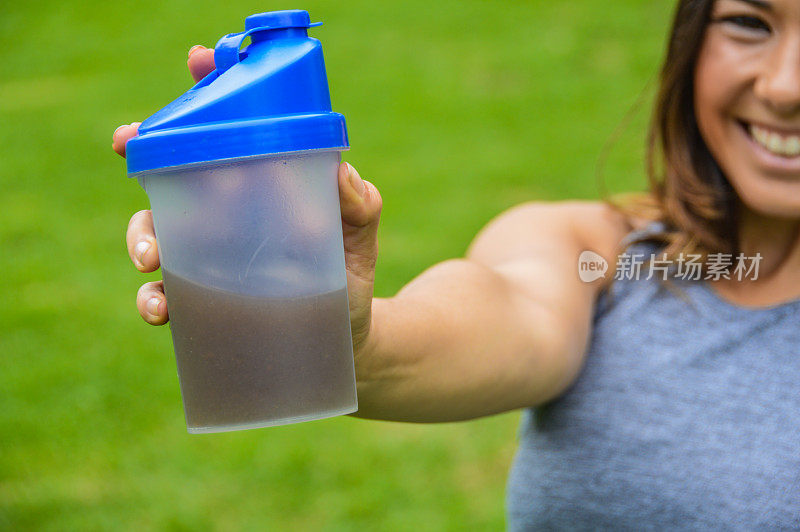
x=504, y=328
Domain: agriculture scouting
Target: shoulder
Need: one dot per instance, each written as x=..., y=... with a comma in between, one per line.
x=536, y=248
x=561, y=228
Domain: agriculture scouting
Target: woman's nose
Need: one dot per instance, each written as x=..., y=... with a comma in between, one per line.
x=778, y=84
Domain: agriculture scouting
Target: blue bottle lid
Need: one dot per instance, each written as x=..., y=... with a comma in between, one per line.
x=268, y=98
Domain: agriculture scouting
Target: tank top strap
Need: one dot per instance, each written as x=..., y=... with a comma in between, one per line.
x=617, y=288
x=652, y=228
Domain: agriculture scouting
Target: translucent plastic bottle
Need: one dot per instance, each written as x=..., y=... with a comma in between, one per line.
x=241, y=174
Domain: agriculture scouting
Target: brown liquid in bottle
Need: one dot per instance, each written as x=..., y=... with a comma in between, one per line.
x=253, y=361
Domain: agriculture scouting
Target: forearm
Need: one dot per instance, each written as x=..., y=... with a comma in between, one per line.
x=457, y=342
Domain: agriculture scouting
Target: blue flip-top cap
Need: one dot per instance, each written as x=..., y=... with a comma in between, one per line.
x=268, y=98
x=292, y=18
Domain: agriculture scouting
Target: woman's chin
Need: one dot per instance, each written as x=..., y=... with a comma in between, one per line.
x=783, y=203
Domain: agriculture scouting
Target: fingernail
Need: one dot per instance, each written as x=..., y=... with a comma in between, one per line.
x=141, y=249
x=120, y=127
x=152, y=306
x=355, y=180
x=195, y=48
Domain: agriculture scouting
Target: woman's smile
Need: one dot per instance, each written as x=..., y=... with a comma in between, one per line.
x=775, y=149
x=775, y=141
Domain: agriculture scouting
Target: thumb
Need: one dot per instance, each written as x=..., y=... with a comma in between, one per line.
x=361, y=209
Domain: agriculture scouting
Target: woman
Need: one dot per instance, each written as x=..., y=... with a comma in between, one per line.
x=650, y=406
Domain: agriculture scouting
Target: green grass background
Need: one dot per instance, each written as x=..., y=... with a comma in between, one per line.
x=456, y=110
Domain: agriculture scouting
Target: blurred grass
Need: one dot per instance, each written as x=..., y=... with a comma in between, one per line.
x=456, y=111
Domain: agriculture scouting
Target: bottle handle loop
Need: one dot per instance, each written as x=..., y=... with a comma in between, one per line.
x=227, y=51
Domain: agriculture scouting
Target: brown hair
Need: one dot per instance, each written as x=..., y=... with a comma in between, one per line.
x=688, y=191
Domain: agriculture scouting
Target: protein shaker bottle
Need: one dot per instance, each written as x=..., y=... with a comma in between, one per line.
x=241, y=174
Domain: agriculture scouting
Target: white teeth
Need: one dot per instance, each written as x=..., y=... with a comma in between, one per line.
x=792, y=146
x=776, y=143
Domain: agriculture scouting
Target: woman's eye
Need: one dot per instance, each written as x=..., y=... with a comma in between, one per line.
x=747, y=22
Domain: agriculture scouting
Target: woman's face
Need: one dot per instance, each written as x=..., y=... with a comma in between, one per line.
x=747, y=100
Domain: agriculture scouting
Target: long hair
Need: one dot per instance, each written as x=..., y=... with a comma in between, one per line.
x=688, y=191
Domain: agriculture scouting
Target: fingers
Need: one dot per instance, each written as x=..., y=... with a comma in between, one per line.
x=200, y=62
x=141, y=241
x=152, y=303
x=122, y=135
x=361, y=208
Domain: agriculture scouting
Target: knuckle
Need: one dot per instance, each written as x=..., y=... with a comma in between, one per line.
x=134, y=222
x=377, y=198
x=141, y=215
x=148, y=290
x=141, y=295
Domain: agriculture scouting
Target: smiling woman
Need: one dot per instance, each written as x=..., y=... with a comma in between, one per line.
x=687, y=416
x=641, y=411
x=747, y=92
x=725, y=138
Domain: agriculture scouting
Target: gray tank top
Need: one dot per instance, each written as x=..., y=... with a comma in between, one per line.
x=684, y=417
